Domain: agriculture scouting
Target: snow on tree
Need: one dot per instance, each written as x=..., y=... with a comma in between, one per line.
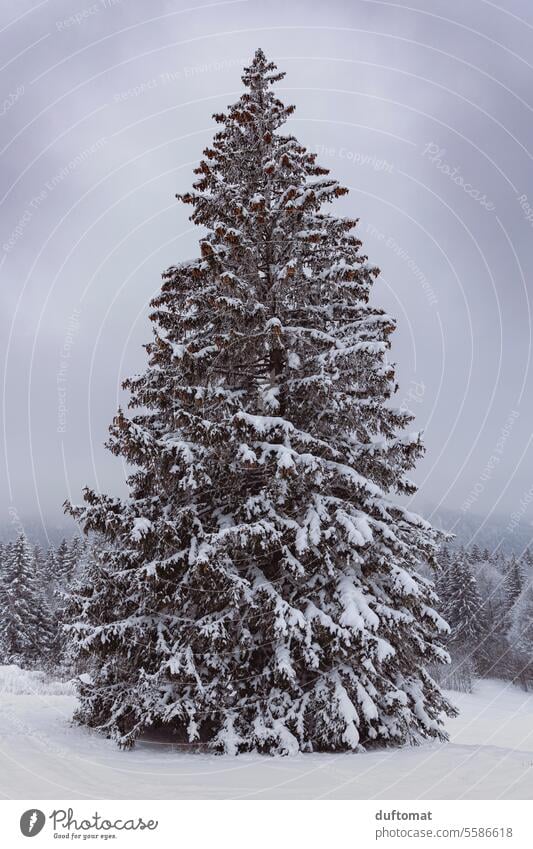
x=444, y=561
x=39, y=557
x=25, y=625
x=494, y=660
x=53, y=577
x=82, y=554
x=475, y=555
x=520, y=636
x=500, y=561
x=3, y=601
x=77, y=547
x=42, y=574
x=65, y=557
x=259, y=588
x=444, y=557
x=514, y=582
x=465, y=612
x=527, y=558
x=464, y=606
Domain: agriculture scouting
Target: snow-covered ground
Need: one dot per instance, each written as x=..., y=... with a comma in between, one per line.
x=42, y=755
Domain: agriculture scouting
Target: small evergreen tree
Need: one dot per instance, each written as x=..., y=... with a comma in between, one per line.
x=500, y=562
x=444, y=561
x=3, y=602
x=527, y=558
x=444, y=557
x=520, y=637
x=39, y=557
x=78, y=554
x=25, y=627
x=466, y=615
x=259, y=589
x=65, y=559
x=41, y=570
x=513, y=583
x=52, y=578
x=84, y=552
x=464, y=606
x=475, y=554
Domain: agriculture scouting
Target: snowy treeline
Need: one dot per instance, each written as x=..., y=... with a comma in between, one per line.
x=487, y=599
x=33, y=588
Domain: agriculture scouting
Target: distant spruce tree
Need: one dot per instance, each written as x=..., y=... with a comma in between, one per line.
x=475, y=555
x=259, y=588
x=444, y=562
x=527, y=558
x=77, y=556
x=464, y=607
x=26, y=626
x=52, y=576
x=65, y=557
x=500, y=561
x=514, y=582
x=470, y=643
x=444, y=557
x=39, y=558
x=520, y=637
x=3, y=601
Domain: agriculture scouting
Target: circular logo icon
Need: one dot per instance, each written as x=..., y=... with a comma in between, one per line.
x=32, y=822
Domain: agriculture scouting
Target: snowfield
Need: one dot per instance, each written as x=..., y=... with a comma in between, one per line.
x=42, y=755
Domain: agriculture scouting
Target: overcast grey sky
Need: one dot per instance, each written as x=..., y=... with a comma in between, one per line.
x=425, y=110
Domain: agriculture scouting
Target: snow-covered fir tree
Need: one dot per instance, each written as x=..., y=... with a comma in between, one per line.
x=444, y=558
x=53, y=577
x=78, y=554
x=514, y=581
x=39, y=558
x=475, y=555
x=527, y=558
x=83, y=554
x=444, y=562
x=489, y=582
x=65, y=561
x=520, y=636
x=259, y=588
x=3, y=600
x=26, y=626
x=465, y=611
x=464, y=606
